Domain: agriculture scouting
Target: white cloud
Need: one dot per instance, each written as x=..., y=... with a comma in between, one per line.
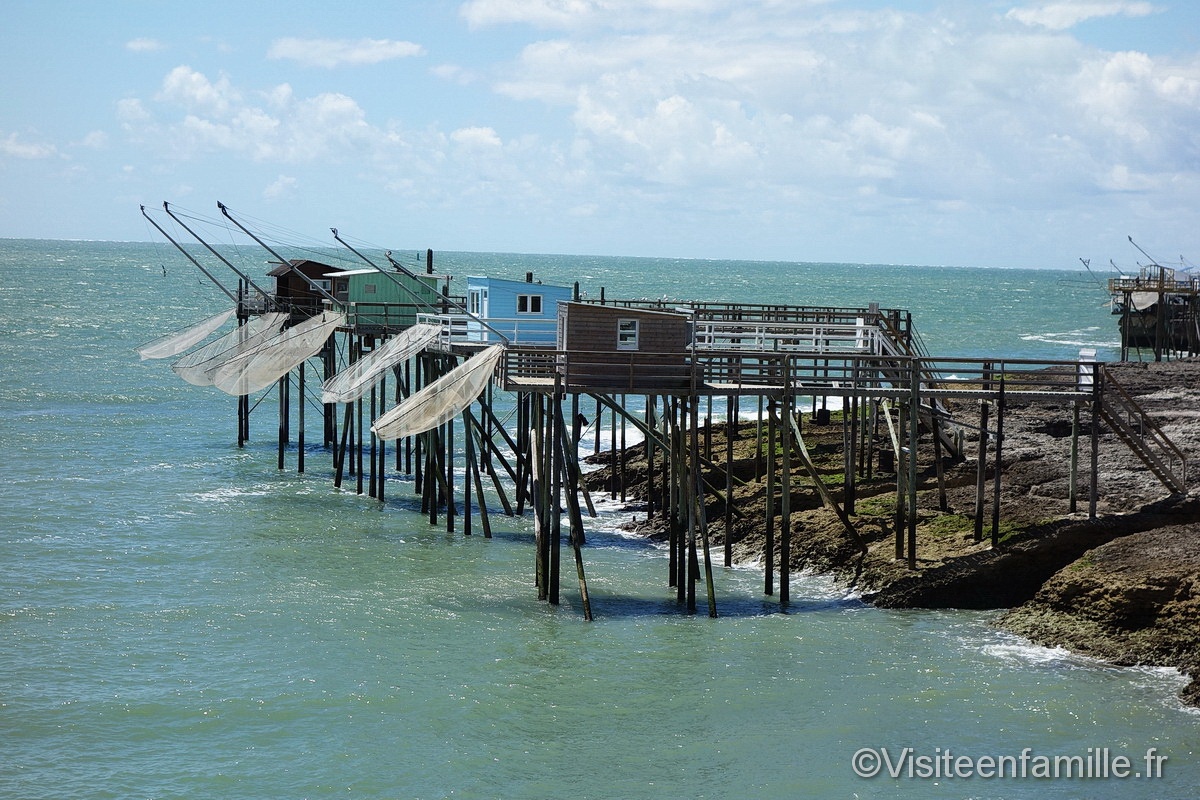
x=622, y=14
x=131, y=112
x=194, y=114
x=476, y=137
x=144, y=45
x=12, y=145
x=331, y=53
x=95, y=140
x=194, y=91
x=883, y=106
x=719, y=112
x=282, y=186
x=1059, y=16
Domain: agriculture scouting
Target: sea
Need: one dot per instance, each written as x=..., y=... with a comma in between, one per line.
x=180, y=618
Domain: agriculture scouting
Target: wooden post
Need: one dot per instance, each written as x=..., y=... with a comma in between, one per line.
x=300, y=423
x=372, y=481
x=981, y=460
x=769, y=542
x=901, y=478
x=358, y=447
x=1000, y=403
x=650, y=450
x=785, y=526
x=576, y=535
x=914, y=433
x=382, y=443
x=671, y=490
x=730, y=433
x=448, y=456
x=1072, y=492
x=1094, y=489
x=283, y=400
x=943, y=503
x=556, y=473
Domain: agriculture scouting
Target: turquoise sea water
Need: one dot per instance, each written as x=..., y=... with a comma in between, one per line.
x=180, y=619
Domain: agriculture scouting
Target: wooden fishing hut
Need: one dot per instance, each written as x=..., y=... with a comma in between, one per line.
x=303, y=286
x=1158, y=309
x=380, y=302
x=517, y=312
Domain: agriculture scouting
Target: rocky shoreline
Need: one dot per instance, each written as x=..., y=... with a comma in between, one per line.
x=1124, y=587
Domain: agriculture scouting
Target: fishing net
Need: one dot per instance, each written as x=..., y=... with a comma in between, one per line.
x=199, y=366
x=441, y=400
x=356, y=379
x=262, y=365
x=172, y=344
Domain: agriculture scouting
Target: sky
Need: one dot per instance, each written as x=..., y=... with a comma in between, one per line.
x=1025, y=133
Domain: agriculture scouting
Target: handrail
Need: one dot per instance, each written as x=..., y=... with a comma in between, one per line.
x=856, y=337
x=828, y=373
x=469, y=329
x=1130, y=413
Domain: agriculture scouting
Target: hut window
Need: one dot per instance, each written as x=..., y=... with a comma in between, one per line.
x=368, y=288
x=529, y=304
x=627, y=334
x=476, y=302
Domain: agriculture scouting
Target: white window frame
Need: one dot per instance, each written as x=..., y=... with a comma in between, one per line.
x=628, y=333
x=529, y=301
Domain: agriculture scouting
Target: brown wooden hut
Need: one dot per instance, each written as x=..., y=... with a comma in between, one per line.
x=615, y=348
x=297, y=293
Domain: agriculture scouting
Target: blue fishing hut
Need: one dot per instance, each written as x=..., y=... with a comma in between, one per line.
x=525, y=312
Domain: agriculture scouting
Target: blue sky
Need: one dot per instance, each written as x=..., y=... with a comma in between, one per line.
x=1024, y=134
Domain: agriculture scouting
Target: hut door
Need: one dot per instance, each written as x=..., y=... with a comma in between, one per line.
x=478, y=302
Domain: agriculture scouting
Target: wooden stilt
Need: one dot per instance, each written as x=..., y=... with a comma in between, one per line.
x=769, y=541
x=382, y=443
x=300, y=421
x=981, y=460
x=1094, y=488
x=1072, y=492
x=556, y=473
x=282, y=391
x=358, y=447
x=730, y=435
x=901, y=479
x=999, y=468
x=576, y=534
x=475, y=467
x=914, y=432
x=373, y=459
x=785, y=503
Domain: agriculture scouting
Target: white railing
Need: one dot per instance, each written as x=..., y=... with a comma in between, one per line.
x=466, y=329
x=788, y=336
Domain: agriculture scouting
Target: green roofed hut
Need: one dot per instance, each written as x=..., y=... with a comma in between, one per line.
x=381, y=302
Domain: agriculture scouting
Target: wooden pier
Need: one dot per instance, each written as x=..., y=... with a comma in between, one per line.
x=506, y=439
x=515, y=447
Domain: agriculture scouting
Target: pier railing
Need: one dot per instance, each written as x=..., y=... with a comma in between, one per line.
x=722, y=371
x=464, y=329
x=855, y=337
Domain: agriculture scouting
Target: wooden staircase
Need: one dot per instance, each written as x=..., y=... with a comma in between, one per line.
x=1133, y=426
x=934, y=415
